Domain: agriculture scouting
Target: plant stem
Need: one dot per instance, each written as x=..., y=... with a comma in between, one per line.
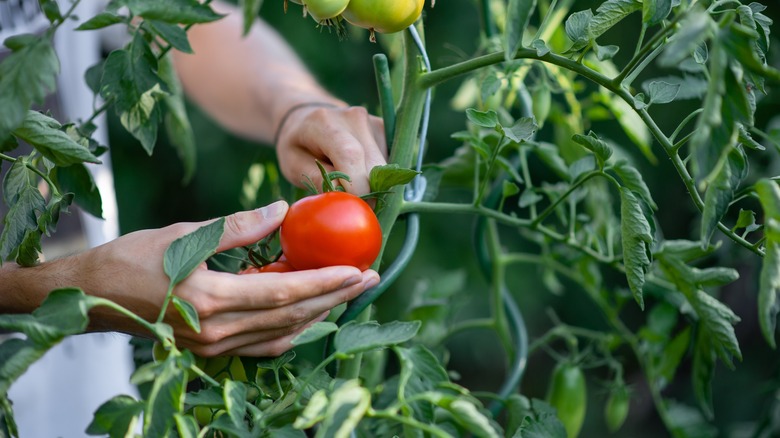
x=551, y=208
x=164, y=308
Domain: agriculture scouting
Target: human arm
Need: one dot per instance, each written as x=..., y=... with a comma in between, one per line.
x=250, y=315
x=249, y=85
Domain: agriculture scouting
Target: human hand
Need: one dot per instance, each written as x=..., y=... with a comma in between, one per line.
x=345, y=139
x=247, y=315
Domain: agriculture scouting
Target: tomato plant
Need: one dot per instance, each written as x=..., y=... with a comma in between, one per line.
x=330, y=229
x=610, y=163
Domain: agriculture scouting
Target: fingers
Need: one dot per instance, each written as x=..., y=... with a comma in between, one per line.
x=247, y=227
x=261, y=330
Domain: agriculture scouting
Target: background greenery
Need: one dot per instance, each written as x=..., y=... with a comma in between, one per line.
x=150, y=194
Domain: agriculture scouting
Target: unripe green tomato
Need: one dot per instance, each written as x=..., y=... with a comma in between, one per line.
x=616, y=408
x=216, y=368
x=384, y=16
x=159, y=353
x=202, y=414
x=567, y=393
x=321, y=10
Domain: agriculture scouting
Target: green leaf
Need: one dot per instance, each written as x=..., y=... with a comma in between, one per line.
x=518, y=15
x=186, y=426
x=234, y=394
x=769, y=283
x=187, y=252
x=489, y=86
x=348, y=404
x=18, y=355
x=594, y=144
x=637, y=240
x=769, y=195
x=671, y=357
x=485, y=119
x=721, y=193
x=187, y=312
x=101, y=20
x=51, y=9
x=250, y=9
x=315, y=332
x=24, y=201
x=576, y=27
x=662, y=92
x=383, y=178
x=45, y=135
x=172, y=33
x=177, y=121
x=62, y=313
x=632, y=180
x=47, y=221
x=540, y=46
x=687, y=87
x=116, y=417
x=78, y=180
x=604, y=53
x=685, y=250
x=358, y=337
x=746, y=220
x=522, y=129
x=695, y=28
x=529, y=197
x=610, y=13
x=27, y=76
x=509, y=189
x=165, y=399
x=468, y=416
x=130, y=80
x=421, y=373
x=173, y=11
x=703, y=372
x=655, y=11
x=314, y=412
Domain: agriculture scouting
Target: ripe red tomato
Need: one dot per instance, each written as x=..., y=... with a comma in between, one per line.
x=277, y=266
x=330, y=229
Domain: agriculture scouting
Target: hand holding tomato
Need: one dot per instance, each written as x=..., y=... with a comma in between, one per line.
x=247, y=315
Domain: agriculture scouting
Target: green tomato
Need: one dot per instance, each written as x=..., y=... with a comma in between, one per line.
x=225, y=367
x=321, y=10
x=384, y=16
x=567, y=393
x=616, y=408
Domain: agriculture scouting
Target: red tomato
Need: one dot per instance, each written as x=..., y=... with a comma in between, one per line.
x=330, y=229
x=277, y=266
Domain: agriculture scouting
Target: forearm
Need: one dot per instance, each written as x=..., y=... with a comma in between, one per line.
x=245, y=83
x=23, y=289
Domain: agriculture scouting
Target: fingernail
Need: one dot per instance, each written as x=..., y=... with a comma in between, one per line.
x=373, y=281
x=271, y=211
x=351, y=281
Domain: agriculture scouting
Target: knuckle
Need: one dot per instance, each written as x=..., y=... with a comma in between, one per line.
x=280, y=296
x=235, y=225
x=297, y=315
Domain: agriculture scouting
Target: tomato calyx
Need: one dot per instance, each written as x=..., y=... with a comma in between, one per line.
x=327, y=181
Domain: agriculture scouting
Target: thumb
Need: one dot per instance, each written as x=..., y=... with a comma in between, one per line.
x=247, y=227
